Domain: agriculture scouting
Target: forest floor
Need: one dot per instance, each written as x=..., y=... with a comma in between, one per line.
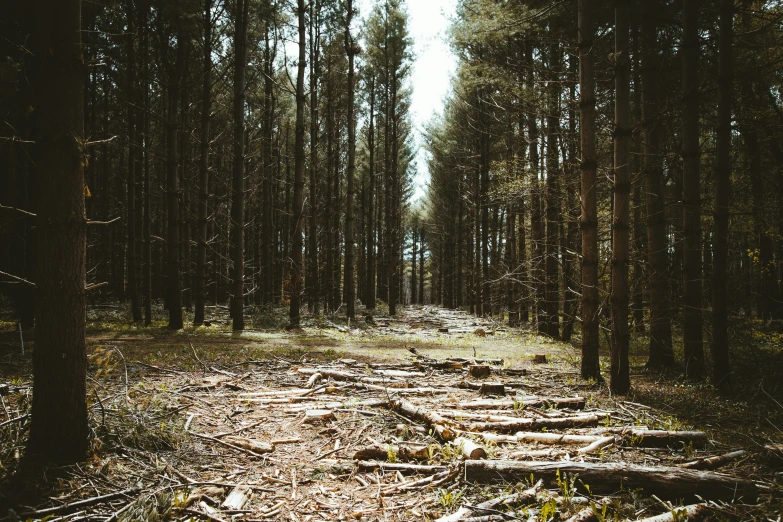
x=382, y=421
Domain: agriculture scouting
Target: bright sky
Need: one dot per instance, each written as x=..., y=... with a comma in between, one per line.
x=433, y=66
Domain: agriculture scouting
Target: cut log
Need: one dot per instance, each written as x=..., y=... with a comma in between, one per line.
x=314, y=379
x=365, y=465
x=692, y=513
x=236, y=500
x=664, y=439
x=535, y=424
x=402, y=452
x=399, y=373
x=574, y=403
x=479, y=371
x=470, y=449
x=492, y=388
x=317, y=416
x=433, y=420
x=714, y=462
x=604, y=477
x=597, y=445
x=253, y=445
x=555, y=438
x=524, y=498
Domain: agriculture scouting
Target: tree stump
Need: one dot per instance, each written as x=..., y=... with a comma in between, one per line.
x=539, y=358
x=492, y=388
x=479, y=371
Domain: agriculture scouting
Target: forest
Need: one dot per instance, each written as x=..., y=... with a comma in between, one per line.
x=226, y=292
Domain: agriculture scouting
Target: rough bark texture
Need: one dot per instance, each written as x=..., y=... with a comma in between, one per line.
x=173, y=289
x=661, y=353
x=691, y=197
x=589, y=220
x=620, y=381
x=296, y=234
x=59, y=412
x=720, y=315
x=349, y=284
x=665, y=482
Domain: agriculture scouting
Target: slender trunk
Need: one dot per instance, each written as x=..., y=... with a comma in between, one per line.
x=553, y=210
x=132, y=249
x=314, y=287
x=59, y=430
x=720, y=315
x=414, y=232
x=620, y=380
x=370, y=289
x=173, y=289
x=203, y=175
x=296, y=240
x=147, y=224
x=661, y=353
x=638, y=219
x=589, y=218
x=691, y=197
x=349, y=281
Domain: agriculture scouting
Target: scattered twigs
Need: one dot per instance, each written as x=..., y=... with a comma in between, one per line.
x=38, y=513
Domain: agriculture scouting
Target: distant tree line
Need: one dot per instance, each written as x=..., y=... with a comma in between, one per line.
x=613, y=166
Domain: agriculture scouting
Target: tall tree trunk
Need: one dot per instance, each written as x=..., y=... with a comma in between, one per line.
x=421, y=266
x=296, y=239
x=589, y=219
x=720, y=315
x=173, y=289
x=553, y=210
x=638, y=219
x=314, y=287
x=203, y=174
x=414, y=247
x=349, y=280
x=238, y=177
x=59, y=430
x=132, y=249
x=393, y=190
x=620, y=380
x=691, y=197
x=370, y=288
x=661, y=353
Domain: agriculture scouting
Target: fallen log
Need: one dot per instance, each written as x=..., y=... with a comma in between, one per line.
x=253, y=445
x=470, y=449
x=402, y=467
x=604, y=477
x=584, y=515
x=714, y=462
x=664, y=439
x=535, y=424
x=597, y=445
x=432, y=419
x=692, y=513
x=524, y=498
x=574, y=403
x=555, y=438
x=393, y=452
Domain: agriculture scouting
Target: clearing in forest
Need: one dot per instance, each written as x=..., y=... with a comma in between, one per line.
x=433, y=415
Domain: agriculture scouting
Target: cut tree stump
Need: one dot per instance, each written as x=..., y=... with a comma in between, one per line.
x=492, y=388
x=539, y=358
x=317, y=416
x=666, y=482
x=470, y=449
x=664, y=439
x=479, y=371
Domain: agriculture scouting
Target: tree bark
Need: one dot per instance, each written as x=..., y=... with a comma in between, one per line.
x=589, y=219
x=238, y=177
x=349, y=280
x=691, y=197
x=296, y=234
x=203, y=175
x=59, y=431
x=553, y=209
x=720, y=316
x=665, y=482
x=661, y=353
x=620, y=381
